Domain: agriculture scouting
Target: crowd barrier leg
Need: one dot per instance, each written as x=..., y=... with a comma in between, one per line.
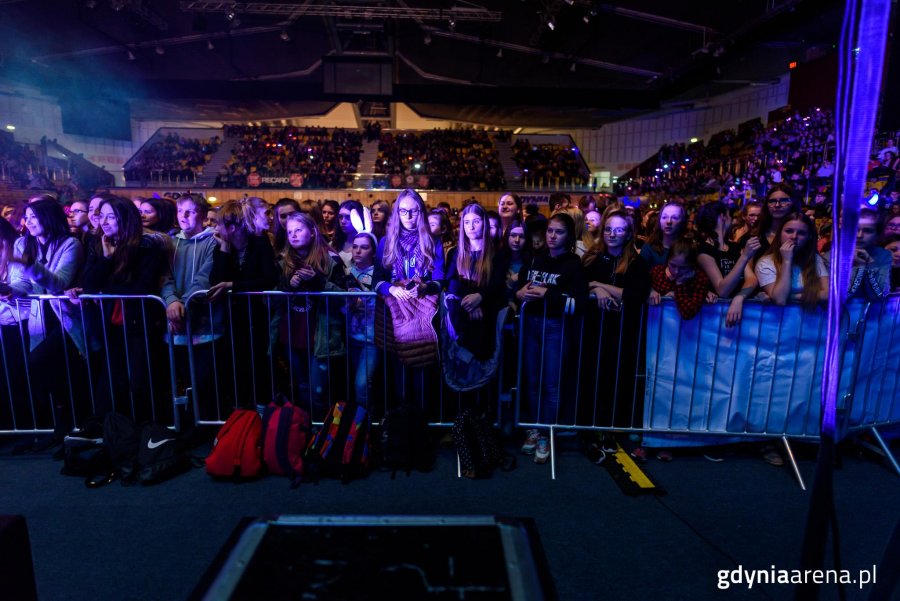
x=885, y=449
x=793, y=462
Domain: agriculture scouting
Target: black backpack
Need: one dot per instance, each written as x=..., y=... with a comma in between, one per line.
x=406, y=444
x=478, y=446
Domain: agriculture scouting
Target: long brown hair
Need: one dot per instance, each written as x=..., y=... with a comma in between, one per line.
x=478, y=270
x=655, y=240
x=804, y=257
x=392, y=250
x=629, y=252
x=128, y=237
x=317, y=256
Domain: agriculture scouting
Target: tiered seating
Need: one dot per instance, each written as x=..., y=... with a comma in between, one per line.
x=172, y=158
x=444, y=159
x=550, y=162
x=325, y=158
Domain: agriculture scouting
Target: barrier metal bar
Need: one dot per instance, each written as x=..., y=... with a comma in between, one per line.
x=338, y=373
x=702, y=406
x=68, y=398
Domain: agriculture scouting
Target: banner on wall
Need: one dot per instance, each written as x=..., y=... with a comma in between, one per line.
x=295, y=180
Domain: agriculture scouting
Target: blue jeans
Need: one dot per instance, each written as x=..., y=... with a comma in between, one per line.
x=545, y=352
x=365, y=357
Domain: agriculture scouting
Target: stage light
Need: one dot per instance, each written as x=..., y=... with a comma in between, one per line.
x=452, y=23
x=131, y=56
x=209, y=45
x=545, y=59
x=586, y=18
x=551, y=24
x=572, y=68
x=427, y=40
x=160, y=50
x=11, y=127
x=872, y=200
x=285, y=37
x=500, y=53
x=694, y=140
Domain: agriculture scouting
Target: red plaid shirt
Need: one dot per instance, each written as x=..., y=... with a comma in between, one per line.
x=689, y=297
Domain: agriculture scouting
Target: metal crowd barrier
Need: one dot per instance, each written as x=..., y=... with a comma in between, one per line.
x=632, y=369
x=247, y=347
x=84, y=365
x=697, y=382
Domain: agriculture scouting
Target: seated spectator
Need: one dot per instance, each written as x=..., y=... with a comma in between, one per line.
x=551, y=163
x=450, y=159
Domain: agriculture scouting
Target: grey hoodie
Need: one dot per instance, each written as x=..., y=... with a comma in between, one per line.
x=190, y=273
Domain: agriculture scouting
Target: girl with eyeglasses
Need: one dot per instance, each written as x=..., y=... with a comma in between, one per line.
x=778, y=205
x=619, y=278
x=409, y=267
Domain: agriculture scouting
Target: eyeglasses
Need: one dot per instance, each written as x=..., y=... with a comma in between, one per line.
x=615, y=230
x=778, y=201
x=408, y=212
x=77, y=211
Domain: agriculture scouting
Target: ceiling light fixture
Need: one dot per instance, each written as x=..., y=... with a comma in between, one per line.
x=551, y=24
x=586, y=18
x=285, y=37
x=452, y=23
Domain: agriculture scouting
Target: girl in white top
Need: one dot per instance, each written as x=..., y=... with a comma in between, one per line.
x=795, y=246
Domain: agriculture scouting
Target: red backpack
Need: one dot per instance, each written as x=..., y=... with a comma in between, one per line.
x=236, y=451
x=286, y=431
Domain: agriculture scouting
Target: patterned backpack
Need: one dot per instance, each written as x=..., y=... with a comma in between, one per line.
x=478, y=447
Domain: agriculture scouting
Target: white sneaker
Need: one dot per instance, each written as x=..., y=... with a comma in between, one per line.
x=531, y=441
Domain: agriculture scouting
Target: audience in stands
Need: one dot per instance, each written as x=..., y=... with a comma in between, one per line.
x=451, y=159
x=323, y=158
x=550, y=163
x=174, y=158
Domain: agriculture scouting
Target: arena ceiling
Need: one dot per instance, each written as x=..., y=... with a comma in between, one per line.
x=508, y=62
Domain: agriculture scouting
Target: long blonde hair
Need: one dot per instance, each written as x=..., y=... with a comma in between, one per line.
x=317, y=257
x=629, y=252
x=392, y=250
x=476, y=271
